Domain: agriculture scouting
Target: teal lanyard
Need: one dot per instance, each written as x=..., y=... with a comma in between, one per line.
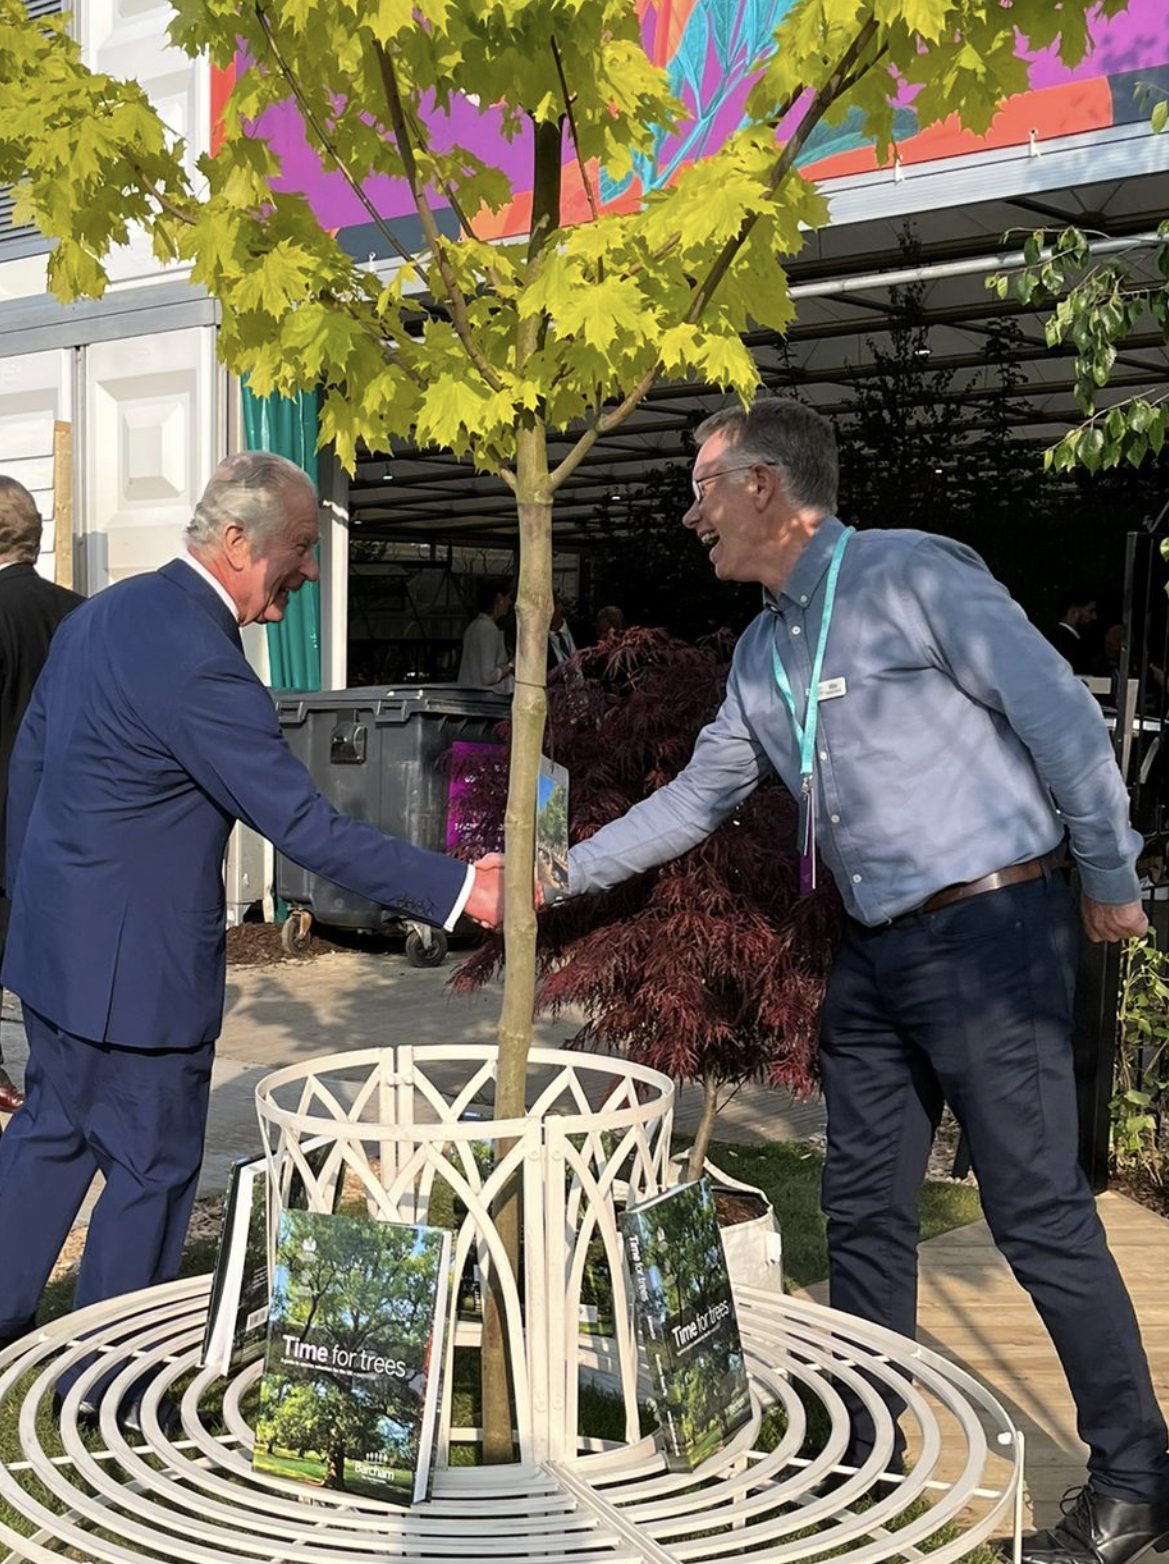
x=805, y=731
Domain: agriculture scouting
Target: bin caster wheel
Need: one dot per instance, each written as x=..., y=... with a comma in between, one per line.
x=420, y=954
x=296, y=932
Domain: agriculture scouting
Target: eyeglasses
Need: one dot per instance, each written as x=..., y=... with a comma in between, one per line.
x=700, y=485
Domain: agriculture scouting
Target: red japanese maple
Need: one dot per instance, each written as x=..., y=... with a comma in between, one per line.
x=710, y=968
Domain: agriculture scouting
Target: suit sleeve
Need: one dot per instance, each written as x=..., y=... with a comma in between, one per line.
x=223, y=730
x=24, y=778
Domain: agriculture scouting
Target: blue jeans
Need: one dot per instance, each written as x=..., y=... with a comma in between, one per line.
x=973, y=1005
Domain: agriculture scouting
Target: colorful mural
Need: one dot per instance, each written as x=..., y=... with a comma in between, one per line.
x=706, y=46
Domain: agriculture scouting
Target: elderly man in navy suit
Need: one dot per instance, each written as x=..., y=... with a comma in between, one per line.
x=147, y=737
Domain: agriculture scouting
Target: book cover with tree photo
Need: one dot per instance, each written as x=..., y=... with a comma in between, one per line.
x=552, y=827
x=686, y=1324
x=349, y=1395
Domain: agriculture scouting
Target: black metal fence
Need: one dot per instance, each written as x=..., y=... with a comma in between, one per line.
x=1138, y=705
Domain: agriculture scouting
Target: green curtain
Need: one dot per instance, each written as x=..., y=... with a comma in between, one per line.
x=288, y=427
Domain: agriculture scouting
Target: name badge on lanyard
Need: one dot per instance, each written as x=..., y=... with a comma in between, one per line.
x=805, y=732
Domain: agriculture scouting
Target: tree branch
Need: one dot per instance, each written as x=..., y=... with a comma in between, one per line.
x=418, y=131
x=602, y=423
x=774, y=121
x=379, y=222
x=580, y=162
x=842, y=78
x=845, y=75
x=454, y=294
x=164, y=201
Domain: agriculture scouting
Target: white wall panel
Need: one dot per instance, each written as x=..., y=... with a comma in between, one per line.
x=128, y=38
x=152, y=439
x=35, y=392
x=23, y=278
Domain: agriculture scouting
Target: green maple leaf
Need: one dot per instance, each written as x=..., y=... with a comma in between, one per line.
x=601, y=313
x=320, y=335
x=450, y=408
x=280, y=279
x=726, y=362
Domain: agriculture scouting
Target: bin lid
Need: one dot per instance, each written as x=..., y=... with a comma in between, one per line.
x=393, y=703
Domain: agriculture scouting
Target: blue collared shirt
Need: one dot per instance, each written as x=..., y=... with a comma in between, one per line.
x=961, y=743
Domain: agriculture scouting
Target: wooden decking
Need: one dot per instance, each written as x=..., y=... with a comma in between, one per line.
x=972, y=1310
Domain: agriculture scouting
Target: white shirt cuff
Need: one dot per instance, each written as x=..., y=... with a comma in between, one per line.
x=461, y=902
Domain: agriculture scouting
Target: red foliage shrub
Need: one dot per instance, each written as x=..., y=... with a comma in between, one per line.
x=711, y=967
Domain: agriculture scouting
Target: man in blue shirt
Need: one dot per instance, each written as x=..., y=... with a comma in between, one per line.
x=946, y=756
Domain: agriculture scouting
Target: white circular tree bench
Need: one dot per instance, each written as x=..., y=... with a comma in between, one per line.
x=403, y=1121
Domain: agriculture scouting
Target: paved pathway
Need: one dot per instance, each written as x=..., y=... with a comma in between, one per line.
x=971, y=1308
x=299, y=1010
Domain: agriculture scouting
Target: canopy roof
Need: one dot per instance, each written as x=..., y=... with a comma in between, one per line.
x=1112, y=183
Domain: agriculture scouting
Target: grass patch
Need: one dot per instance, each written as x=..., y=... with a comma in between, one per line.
x=789, y=1175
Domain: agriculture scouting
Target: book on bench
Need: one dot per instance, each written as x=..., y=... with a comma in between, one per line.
x=349, y=1397
x=687, y=1330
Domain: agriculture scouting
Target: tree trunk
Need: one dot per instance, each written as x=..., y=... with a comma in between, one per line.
x=705, y=1126
x=528, y=713
x=335, y=1467
x=529, y=710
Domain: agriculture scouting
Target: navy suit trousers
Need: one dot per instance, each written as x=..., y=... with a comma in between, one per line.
x=138, y=1117
x=973, y=1005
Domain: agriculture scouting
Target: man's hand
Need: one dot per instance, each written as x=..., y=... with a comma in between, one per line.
x=1104, y=923
x=485, y=903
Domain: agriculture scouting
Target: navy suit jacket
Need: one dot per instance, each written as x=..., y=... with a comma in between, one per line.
x=148, y=735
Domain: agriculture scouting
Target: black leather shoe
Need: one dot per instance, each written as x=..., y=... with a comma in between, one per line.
x=169, y=1418
x=1096, y=1530
x=129, y=1417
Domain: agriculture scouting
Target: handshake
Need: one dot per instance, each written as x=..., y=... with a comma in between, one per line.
x=485, y=903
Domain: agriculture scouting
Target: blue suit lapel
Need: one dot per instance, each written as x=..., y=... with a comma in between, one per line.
x=207, y=598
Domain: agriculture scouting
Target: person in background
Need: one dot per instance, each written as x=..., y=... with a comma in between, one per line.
x=943, y=755
x=561, y=645
x=485, y=664
x=147, y=737
x=1068, y=637
x=31, y=608
x=609, y=621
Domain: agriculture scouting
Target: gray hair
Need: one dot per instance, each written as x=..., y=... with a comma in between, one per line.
x=20, y=524
x=247, y=488
x=777, y=432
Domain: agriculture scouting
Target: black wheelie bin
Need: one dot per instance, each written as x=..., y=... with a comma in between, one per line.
x=383, y=756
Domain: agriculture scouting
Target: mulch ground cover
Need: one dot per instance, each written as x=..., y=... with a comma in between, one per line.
x=1142, y=1188
x=259, y=944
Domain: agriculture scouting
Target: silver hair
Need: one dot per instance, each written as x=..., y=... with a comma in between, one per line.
x=248, y=488
x=777, y=432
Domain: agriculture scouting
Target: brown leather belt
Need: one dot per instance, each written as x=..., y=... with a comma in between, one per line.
x=1013, y=874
